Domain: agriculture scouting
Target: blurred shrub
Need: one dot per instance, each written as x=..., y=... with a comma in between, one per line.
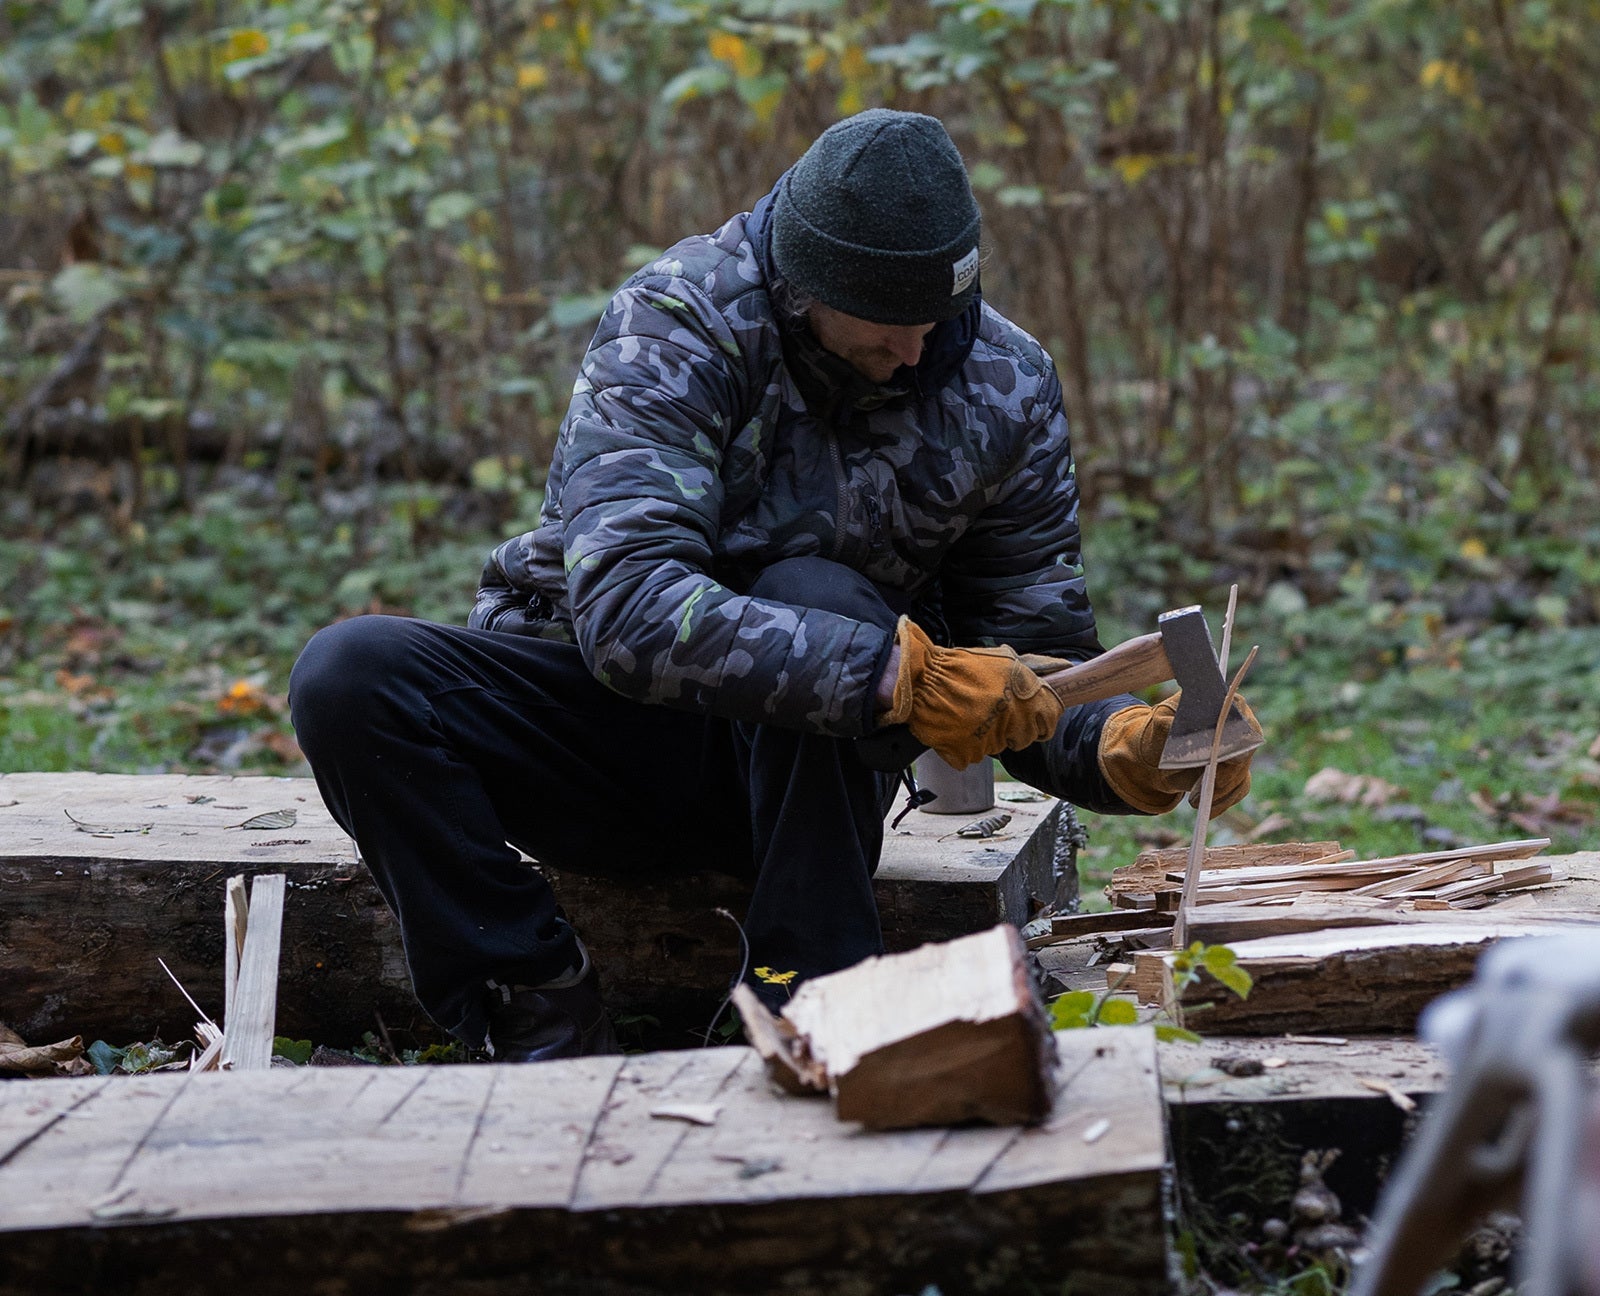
x=1316, y=274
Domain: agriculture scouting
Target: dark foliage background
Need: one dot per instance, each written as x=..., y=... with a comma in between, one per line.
x=292, y=294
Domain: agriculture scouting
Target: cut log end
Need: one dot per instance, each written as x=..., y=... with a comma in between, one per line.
x=945, y=1034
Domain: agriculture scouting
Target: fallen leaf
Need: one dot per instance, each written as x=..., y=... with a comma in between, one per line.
x=244, y=699
x=106, y=830
x=750, y=1167
x=45, y=1060
x=693, y=1113
x=82, y=687
x=1020, y=794
x=986, y=827
x=271, y=819
x=1329, y=784
x=283, y=746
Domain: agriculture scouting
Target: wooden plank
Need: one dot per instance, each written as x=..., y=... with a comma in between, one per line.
x=348, y=1176
x=628, y=1147
x=1069, y=926
x=248, y=1031
x=235, y=916
x=1294, y=1071
x=1510, y=880
x=1362, y=980
x=1270, y=890
x=1148, y=873
x=1229, y=924
x=1424, y=879
x=1115, y=1091
x=121, y=899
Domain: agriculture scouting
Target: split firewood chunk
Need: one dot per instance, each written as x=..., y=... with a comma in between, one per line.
x=789, y=1063
x=944, y=1034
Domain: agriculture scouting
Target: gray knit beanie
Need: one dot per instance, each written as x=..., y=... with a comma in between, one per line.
x=878, y=220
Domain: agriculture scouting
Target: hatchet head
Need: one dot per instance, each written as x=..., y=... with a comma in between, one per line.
x=1187, y=643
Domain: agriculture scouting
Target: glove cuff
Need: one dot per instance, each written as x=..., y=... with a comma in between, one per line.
x=915, y=648
x=1120, y=766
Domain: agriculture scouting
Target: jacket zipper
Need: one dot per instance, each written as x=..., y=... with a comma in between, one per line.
x=841, y=484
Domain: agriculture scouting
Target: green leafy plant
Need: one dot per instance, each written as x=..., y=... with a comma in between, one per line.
x=1082, y=1009
x=296, y=1051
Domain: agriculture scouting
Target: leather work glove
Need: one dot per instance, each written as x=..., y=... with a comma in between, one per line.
x=1130, y=758
x=968, y=703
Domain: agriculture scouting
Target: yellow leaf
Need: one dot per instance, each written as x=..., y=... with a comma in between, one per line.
x=775, y=978
x=243, y=699
x=726, y=47
x=113, y=143
x=816, y=59
x=532, y=76
x=1133, y=167
x=850, y=101
x=549, y=22
x=1454, y=78
x=246, y=42
x=853, y=62
x=766, y=107
x=1474, y=548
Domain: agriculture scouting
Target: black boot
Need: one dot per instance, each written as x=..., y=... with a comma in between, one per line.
x=558, y=1019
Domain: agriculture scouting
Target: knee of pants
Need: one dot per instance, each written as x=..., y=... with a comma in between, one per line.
x=343, y=670
x=826, y=586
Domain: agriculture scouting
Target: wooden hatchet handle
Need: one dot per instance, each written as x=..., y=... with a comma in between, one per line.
x=1127, y=668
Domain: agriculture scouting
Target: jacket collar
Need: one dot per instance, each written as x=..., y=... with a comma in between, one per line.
x=831, y=388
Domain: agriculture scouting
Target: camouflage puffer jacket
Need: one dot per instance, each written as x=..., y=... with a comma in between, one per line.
x=710, y=436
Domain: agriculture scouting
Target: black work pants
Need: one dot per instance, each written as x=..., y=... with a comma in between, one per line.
x=435, y=745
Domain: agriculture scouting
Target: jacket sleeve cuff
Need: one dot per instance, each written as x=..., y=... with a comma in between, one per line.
x=1067, y=765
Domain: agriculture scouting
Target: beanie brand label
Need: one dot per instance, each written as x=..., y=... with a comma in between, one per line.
x=964, y=272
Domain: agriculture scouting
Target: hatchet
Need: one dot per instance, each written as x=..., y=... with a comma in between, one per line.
x=1179, y=650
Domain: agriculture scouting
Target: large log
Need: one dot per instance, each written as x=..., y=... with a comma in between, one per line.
x=558, y=1178
x=1361, y=980
x=88, y=903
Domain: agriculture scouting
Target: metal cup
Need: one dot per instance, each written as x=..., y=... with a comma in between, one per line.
x=956, y=791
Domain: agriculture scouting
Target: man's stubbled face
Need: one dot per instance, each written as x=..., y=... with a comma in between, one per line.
x=873, y=350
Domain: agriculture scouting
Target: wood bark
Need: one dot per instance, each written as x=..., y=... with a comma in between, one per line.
x=1368, y=980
